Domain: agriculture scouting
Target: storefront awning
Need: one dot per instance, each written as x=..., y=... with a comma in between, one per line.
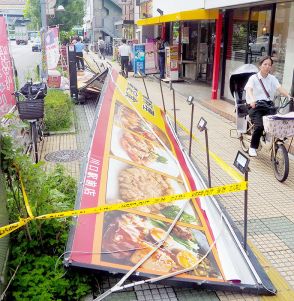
x=197, y=14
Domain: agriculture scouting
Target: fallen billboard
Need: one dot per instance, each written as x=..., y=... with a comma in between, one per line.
x=134, y=154
x=7, y=100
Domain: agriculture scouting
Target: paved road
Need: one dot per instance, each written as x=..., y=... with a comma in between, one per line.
x=25, y=61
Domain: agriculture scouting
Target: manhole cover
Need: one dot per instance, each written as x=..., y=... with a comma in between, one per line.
x=64, y=156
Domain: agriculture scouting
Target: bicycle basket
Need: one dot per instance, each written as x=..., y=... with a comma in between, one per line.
x=31, y=109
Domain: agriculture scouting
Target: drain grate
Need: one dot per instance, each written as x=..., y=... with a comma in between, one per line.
x=64, y=156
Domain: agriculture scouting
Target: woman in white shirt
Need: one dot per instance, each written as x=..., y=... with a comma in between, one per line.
x=261, y=88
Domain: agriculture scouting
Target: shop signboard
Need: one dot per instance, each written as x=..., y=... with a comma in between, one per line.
x=7, y=100
x=151, y=58
x=172, y=62
x=139, y=58
x=134, y=156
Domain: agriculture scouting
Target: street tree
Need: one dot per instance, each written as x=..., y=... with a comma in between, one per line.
x=72, y=15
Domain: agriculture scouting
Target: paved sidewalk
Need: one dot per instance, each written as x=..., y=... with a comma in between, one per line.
x=271, y=204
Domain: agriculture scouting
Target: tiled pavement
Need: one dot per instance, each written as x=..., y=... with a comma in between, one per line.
x=271, y=204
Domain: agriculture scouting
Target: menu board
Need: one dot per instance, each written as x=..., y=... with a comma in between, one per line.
x=134, y=156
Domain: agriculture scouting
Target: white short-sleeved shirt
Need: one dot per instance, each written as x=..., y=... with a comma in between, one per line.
x=270, y=83
x=124, y=50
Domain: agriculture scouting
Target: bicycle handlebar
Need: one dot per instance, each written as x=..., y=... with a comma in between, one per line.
x=18, y=93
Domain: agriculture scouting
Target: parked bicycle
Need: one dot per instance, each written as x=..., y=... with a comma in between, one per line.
x=30, y=104
x=271, y=140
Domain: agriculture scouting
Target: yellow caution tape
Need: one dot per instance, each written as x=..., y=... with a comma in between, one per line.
x=5, y=230
x=25, y=197
x=127, y=205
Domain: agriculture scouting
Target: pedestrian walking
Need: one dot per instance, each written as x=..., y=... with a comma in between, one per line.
x=161, y=45
x=101, y=48
x=260, y=90
x=124, y=51
x=79, y=46
x=86, y=42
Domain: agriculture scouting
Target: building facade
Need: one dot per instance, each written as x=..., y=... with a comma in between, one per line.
x=250, y=29
x=100, y=19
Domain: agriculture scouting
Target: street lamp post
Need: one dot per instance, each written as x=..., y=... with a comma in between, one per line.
x=44, y=69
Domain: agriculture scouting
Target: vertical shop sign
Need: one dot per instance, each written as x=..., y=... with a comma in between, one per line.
x=139, y=58
x=172, y=63
x=151, y=58
x=7, y=101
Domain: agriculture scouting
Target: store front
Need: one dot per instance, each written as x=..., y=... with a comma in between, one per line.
x=253, y=32
x=197, y=50
x=194, y=34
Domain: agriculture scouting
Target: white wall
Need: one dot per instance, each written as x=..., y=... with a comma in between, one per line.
x=224, y=3
x=174, y=6
x=289, y=59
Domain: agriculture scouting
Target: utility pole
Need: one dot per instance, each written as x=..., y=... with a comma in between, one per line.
x=43, y=31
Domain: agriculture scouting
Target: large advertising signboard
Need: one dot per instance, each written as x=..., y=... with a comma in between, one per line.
x=134, y=154
x=7, y=100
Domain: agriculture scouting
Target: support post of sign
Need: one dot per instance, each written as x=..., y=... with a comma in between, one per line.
x=207, y=156
x=202, y=127
x=174, y=105
x=242, y=163
x=163, y=103
x=141, y=75
x=245, y=211
x=190, y=101
x=44, y=69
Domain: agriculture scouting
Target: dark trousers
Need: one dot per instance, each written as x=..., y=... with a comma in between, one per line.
x=256, y=118
x=124, y=60
x=161, y=65
x=80, y=60
x=102, y=55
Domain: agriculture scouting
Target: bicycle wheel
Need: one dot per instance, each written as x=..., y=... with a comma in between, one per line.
x=34, y=137
x=280, y=162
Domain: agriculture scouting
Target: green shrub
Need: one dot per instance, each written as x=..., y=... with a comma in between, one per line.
x=58, y=111
x=35, y=248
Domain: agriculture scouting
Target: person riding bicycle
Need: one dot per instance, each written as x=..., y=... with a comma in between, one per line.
x=260, y=90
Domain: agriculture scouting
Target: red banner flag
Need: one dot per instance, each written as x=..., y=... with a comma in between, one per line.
x=7, y=100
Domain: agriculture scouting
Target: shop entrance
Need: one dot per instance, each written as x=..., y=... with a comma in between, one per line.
x=197, y=50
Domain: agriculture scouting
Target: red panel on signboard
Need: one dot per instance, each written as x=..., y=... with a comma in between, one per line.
x=7, y=100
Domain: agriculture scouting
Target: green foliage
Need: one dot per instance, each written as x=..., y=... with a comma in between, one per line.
x=73, y=14
x=58, y=111
x=32, y=11
x=35, y=249
x=65, y=36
